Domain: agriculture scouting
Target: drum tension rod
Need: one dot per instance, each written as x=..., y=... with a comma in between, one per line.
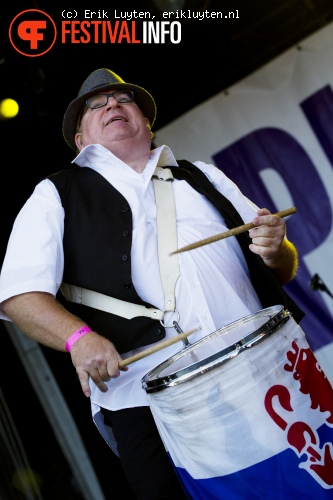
x=179, y=330
x=186, y=343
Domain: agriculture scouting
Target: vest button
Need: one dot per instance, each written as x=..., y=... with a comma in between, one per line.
x=158, y=332
x=125, y=209
x=127, y=285
x=124, y=258
x=125, y=233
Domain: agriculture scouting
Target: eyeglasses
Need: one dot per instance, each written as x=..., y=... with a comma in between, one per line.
x=100, y=100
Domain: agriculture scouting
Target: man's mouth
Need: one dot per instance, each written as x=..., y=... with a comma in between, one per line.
x=117, y=118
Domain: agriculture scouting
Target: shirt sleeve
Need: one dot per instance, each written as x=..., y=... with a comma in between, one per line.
x=34, y=258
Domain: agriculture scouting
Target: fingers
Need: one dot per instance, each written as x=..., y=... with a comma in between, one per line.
x=267, y=224
x=268, y=234
x=95, y=359
x=84, y=381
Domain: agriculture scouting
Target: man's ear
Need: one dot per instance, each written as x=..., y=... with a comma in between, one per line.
x=149, y=127
x=78, y=140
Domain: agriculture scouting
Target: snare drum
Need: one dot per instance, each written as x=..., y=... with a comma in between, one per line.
x=246, y=412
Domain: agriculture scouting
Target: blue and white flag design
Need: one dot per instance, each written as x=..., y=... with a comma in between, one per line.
x=259, y=426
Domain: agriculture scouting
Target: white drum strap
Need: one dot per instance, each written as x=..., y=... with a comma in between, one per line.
x=166, y=234
x=108, y=304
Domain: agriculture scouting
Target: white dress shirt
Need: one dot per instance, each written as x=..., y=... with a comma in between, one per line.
x=212, y=291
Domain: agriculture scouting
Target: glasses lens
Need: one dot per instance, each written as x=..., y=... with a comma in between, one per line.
x=96, y=101
x=124, y=95
x=100, y=100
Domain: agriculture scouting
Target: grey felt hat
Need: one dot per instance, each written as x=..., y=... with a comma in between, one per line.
x=97, y=81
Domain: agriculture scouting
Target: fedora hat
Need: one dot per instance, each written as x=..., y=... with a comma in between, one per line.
x=99, y=80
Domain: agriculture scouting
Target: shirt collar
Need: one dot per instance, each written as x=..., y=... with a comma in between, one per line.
x=161, y=156
x=164, y=156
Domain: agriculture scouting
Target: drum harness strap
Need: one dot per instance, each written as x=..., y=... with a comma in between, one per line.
x=168, y=264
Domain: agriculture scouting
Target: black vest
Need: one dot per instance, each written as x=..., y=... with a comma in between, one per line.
x=97, y=248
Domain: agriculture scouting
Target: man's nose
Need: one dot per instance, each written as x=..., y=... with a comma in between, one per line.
x=112, y=102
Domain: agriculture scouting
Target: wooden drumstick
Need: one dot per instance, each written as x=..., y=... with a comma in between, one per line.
x=231, y=232
x=158, y=347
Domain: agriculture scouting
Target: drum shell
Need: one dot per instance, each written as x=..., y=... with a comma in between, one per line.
x=222, y=429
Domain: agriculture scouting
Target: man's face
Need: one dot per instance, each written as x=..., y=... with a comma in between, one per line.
x=114, y=122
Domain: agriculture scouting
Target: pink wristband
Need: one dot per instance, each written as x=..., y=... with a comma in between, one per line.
x=76, y=336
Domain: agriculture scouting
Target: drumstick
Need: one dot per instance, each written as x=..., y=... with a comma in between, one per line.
x=158, y=347
x=231, y=232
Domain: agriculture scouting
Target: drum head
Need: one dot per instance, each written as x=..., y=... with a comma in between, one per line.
x=215, y=349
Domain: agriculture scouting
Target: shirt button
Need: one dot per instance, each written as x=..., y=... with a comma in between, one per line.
x=124, y=258
x=158, y=332
x=125, y=233
x=128, y=285
x=125, y=209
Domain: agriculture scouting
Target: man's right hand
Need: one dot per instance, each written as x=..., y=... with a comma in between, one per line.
x=40, y=316
x=96, y=357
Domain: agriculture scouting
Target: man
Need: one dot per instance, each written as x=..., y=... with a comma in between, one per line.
x=95, y=229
